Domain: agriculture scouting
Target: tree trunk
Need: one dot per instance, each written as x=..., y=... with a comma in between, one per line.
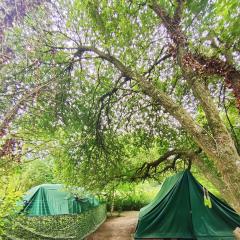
x=217, y=182
x=225, y=155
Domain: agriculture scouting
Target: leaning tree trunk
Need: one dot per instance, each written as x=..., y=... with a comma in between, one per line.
x=225, y=160
x=216, y=181
x=224, y=154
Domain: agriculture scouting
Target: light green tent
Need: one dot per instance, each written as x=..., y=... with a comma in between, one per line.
x=53, y=199
x=183, y=209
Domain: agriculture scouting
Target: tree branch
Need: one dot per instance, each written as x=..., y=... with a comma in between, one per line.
x=148, y=169
x=171, y=24
x=10, y=115
x=157, y=62
x=178, y=12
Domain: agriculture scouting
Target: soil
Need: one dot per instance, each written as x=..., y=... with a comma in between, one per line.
x=117, y=228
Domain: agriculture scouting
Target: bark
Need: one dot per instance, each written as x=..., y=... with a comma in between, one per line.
x=216, y=181
x=226, y=156
x=148, y=169
x=224, y=69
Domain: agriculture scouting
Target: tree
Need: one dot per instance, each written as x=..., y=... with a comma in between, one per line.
x=114, y=71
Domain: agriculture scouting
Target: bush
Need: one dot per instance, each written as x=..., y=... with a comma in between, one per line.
x=133, y=197
x=130, y=204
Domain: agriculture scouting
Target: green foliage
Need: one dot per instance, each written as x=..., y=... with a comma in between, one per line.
x=10, y=193
x=128, y=197
x=215, y=23
x=36, y=173
x=10, y=190
x=14, y=184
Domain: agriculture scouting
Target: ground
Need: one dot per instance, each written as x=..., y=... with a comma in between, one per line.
x=117, y=228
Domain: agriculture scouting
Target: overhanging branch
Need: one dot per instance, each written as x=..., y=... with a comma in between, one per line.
x=149, y=169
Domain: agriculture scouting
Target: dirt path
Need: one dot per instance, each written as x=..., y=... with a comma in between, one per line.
x=117, y=228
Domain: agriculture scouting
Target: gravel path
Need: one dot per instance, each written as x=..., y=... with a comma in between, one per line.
x=117, y=228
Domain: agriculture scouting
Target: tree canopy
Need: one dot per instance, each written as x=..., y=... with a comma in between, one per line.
x=118, y=91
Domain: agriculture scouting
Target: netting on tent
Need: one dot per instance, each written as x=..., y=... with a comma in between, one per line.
x=73, y=226
x=49, y=211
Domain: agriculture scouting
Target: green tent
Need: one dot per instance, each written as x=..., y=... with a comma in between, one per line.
x=183, y=209
x=53, y=199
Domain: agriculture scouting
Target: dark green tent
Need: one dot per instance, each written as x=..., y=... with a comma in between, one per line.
x=53, y=199
x=183, y=209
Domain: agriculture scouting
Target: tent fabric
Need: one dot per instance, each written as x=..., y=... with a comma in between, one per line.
x=53, y=199
x=178, y=211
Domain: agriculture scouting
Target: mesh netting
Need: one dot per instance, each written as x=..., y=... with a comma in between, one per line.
x=76, y=226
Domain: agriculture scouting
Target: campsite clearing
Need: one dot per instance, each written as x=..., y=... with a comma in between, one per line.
x=117, y=228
